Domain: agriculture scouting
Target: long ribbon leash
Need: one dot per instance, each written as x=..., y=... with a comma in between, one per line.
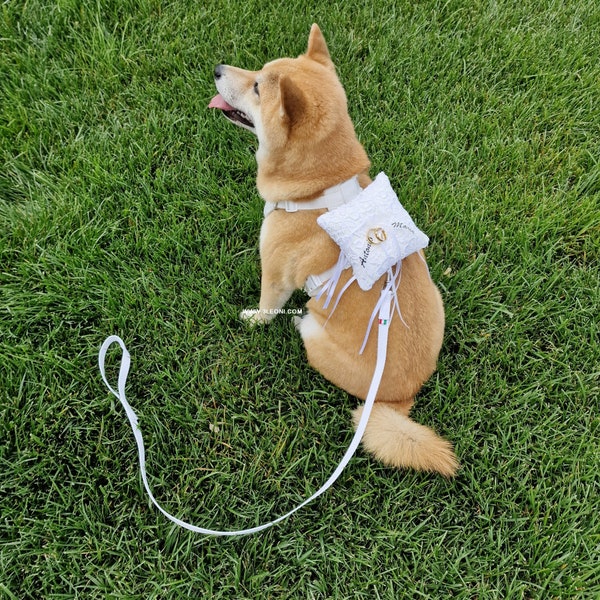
x=382, y=336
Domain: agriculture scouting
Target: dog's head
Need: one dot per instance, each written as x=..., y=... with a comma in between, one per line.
x=297, y=109
x=283, y=94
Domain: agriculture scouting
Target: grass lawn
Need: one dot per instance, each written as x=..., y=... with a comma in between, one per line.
x=127, y=207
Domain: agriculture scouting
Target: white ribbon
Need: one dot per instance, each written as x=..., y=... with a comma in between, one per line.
x=385, y=315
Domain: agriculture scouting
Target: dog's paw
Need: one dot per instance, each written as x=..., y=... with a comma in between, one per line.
x=254, y=316
x=297, y=320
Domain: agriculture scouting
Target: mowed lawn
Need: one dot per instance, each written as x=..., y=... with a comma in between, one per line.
x=127, y=207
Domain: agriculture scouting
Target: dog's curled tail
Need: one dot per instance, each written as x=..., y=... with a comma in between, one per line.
x=397, y=441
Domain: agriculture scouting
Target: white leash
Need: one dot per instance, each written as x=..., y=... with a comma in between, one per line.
x=385, y=314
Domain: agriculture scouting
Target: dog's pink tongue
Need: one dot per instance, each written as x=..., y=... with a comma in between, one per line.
x=218, y=102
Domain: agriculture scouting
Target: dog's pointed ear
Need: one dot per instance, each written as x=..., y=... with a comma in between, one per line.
x=317, y=47
x=292, y=103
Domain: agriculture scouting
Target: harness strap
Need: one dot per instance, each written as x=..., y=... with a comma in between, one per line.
x=314, y=283
x=331, y=198
x=385, y=314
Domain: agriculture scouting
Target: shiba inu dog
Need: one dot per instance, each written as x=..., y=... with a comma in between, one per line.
x=309, y=159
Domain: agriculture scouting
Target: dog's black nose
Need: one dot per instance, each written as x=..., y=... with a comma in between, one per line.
x=218, y=71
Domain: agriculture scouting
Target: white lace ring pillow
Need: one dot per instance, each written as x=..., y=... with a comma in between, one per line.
x=374, y=231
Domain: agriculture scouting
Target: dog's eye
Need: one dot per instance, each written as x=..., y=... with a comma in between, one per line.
x=256, y=88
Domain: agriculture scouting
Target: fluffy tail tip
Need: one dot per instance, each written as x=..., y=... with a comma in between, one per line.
x=397, y=441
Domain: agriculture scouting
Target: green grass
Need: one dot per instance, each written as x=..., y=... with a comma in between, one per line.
x=127, y=207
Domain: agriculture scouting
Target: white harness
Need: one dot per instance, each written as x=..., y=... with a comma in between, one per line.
x=331, y=198
x=376, y=236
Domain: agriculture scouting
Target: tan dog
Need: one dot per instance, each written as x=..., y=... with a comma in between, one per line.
x=307, y=145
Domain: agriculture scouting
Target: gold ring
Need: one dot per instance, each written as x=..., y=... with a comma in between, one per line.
x=376, y=235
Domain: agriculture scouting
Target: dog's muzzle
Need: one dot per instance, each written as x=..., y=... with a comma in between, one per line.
x=233, y=114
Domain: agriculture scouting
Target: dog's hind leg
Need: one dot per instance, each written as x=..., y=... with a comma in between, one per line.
x=326, y=355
